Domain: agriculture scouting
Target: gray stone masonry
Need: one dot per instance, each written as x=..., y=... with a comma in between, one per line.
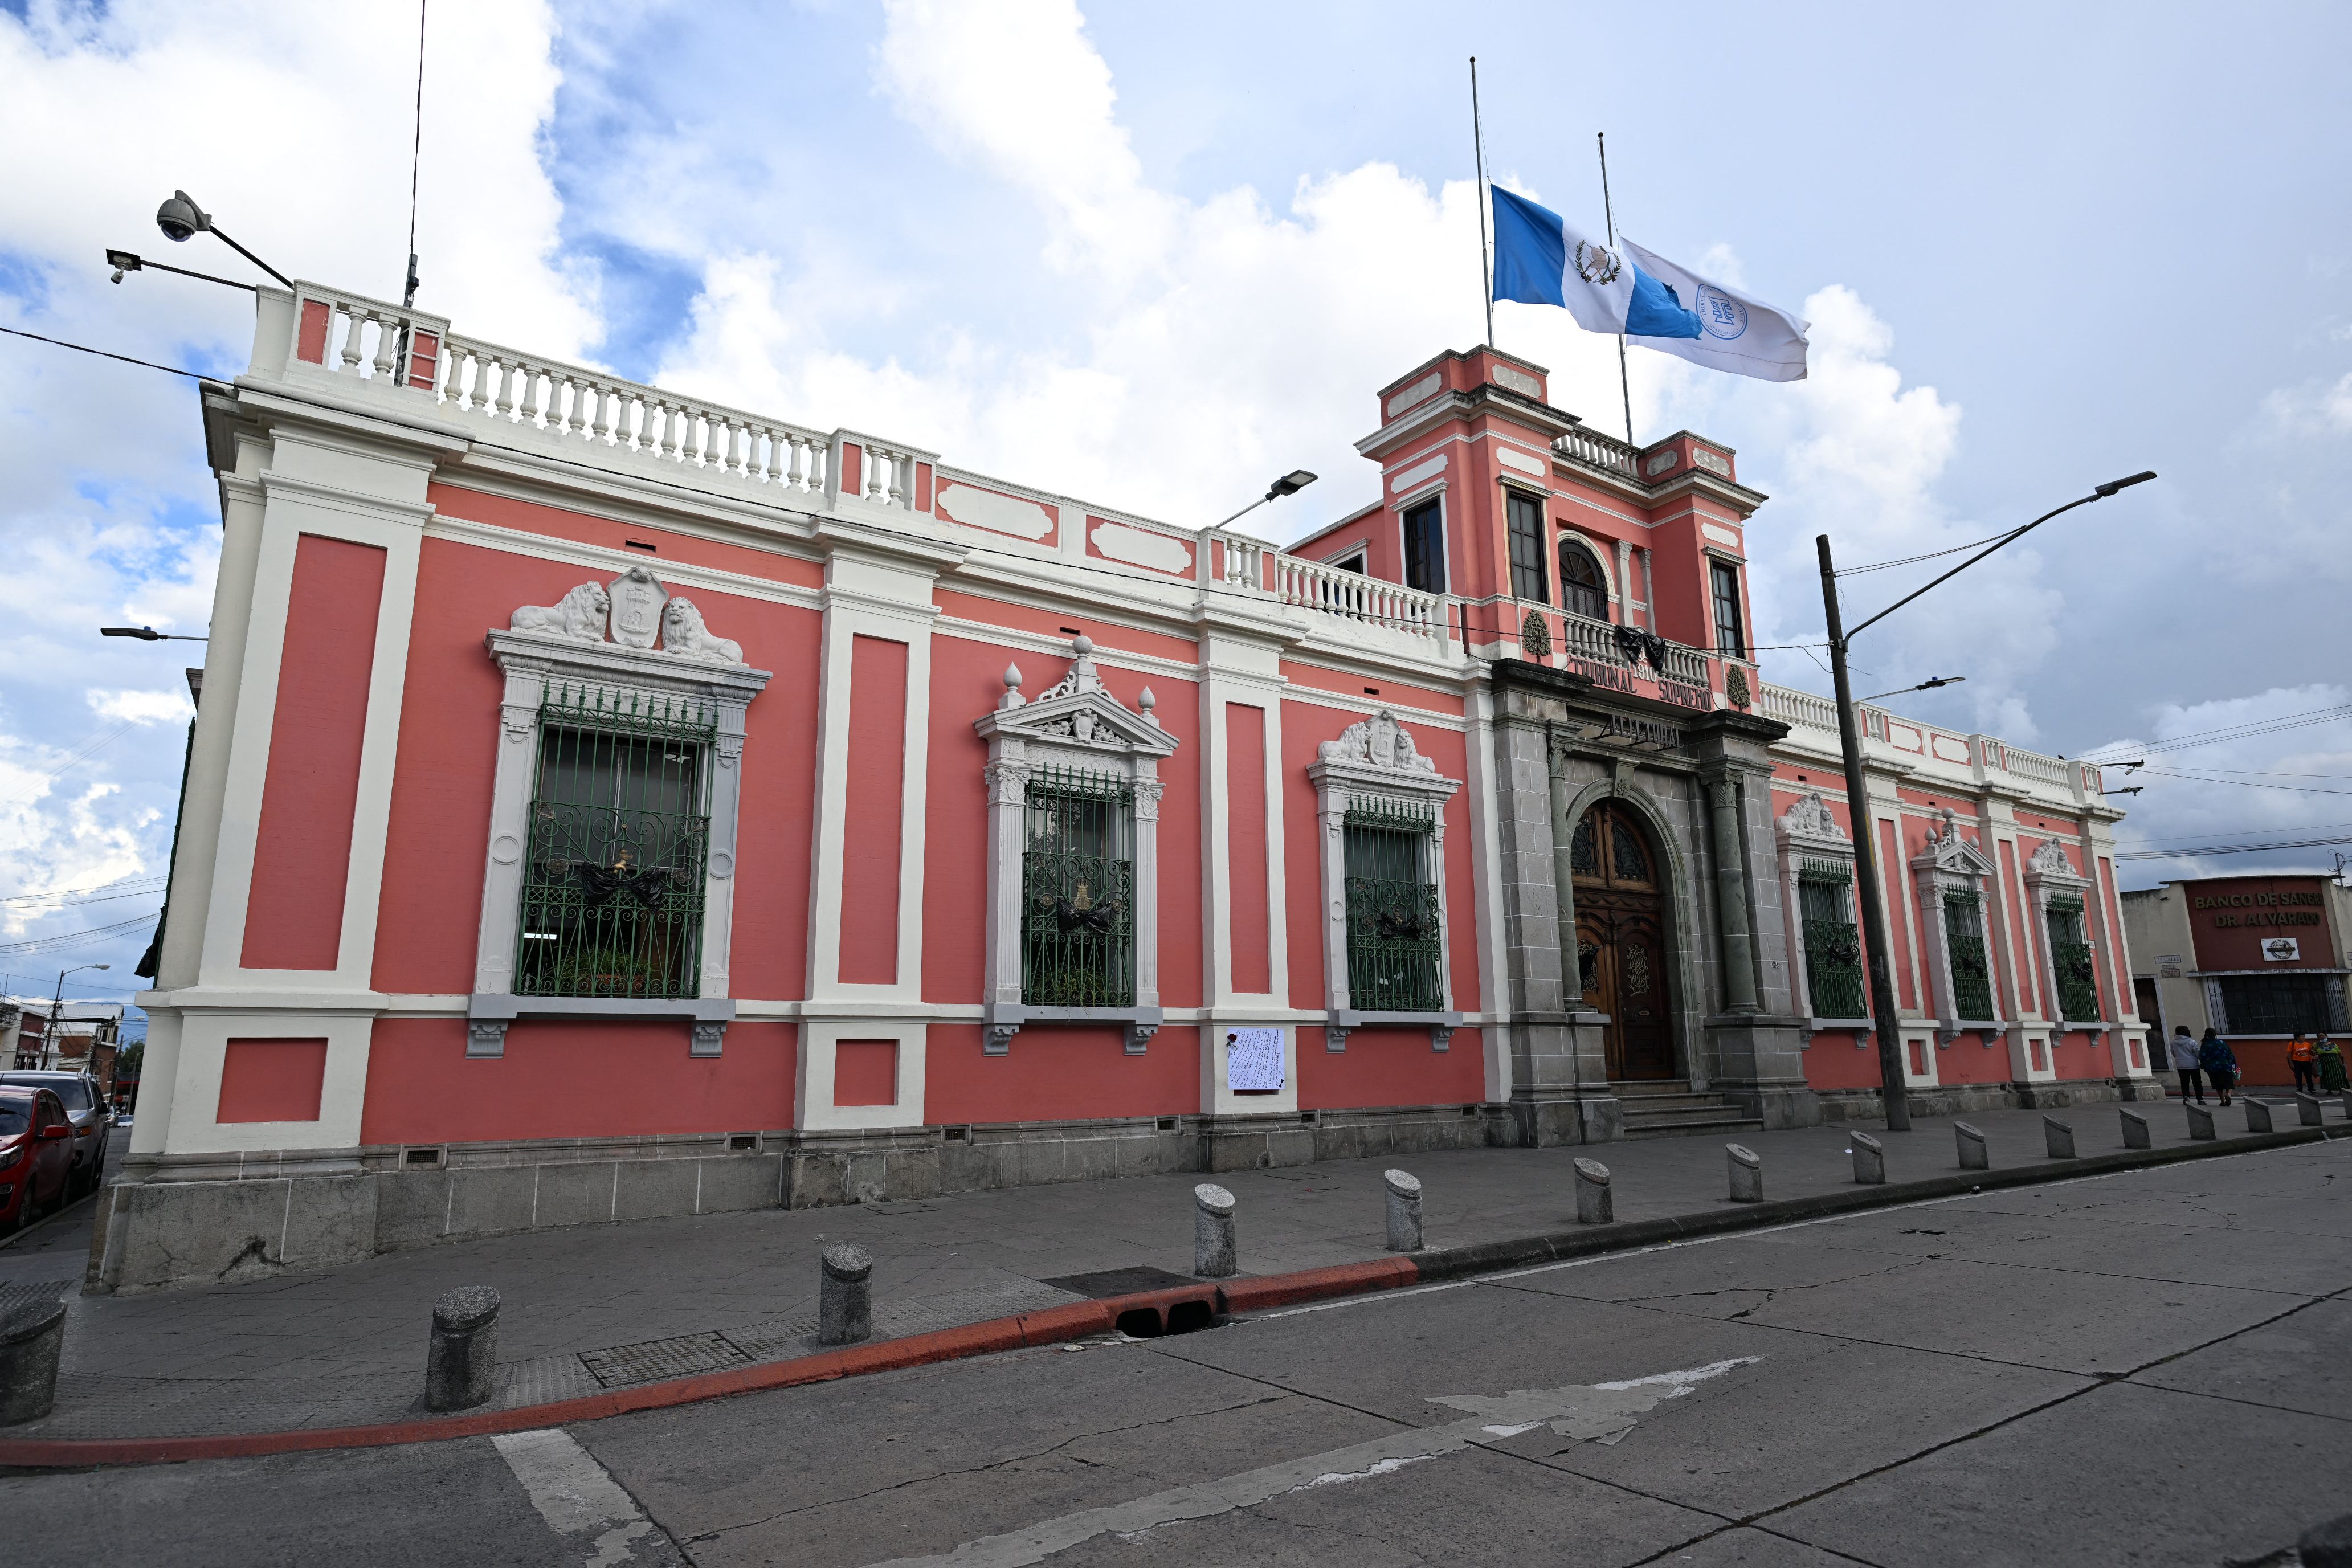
x=1403, y=1211
x=1971, y=1141
x=2135, y=1133
x=461, y=1358
x=1595, y=1205
x=1869, y=1159
x=1747, y=1174
x=845, y=1295
x=1216, y=1246
x=2059, y=1136
x=32, y=1343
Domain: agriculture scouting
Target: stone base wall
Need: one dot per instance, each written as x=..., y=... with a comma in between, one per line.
x=167, y=1223
x=1841, y=1105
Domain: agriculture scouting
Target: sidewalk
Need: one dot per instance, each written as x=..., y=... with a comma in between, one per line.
x=614, y=1306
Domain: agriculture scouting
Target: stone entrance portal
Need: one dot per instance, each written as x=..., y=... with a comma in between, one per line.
x=1621, y=941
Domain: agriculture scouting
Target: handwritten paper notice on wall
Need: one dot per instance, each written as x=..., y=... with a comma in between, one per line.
x=1253, y=1061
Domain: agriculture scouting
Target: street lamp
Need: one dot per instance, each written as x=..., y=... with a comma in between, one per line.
x=1290, y=484
x=182, y=220
x=1886, y=1022
x=1929, y=685
x=147, y=633
x=58, y=1007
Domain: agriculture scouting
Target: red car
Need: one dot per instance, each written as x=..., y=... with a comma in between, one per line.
x=35, y=1154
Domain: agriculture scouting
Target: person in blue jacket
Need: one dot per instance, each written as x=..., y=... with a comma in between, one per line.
x=2219, y=1062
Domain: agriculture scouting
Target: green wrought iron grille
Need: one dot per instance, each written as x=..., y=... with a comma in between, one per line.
x=1832, y=947
x=612, y=883
x=2070, y=956
x=1964, y=936
x=1077, y=890
x=1393, y=963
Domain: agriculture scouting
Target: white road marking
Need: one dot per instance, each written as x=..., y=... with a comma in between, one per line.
x=574, y=1493
x=1602, y=1412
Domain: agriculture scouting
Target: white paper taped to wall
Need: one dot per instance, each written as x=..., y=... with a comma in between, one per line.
x=1253, y=1061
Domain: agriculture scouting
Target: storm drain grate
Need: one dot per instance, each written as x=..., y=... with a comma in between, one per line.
x=658, y=1359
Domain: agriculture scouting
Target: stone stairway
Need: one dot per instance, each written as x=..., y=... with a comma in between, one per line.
x=1670, y=1109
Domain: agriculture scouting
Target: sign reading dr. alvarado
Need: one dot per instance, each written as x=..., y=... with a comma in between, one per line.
x=2244, y=922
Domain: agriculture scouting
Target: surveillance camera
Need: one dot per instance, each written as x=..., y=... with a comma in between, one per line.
x=180, y=218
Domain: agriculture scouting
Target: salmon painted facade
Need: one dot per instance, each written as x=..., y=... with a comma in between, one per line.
x=605, y=803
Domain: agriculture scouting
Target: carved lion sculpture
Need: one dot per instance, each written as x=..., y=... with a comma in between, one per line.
x=580, y=615
x=684, y=634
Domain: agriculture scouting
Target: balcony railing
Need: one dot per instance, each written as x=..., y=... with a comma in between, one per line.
x=1596, y=451
x=1253, y=566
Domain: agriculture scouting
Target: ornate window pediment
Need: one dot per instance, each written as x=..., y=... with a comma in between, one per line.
x=1947, y=851
x=1955, y=880
x=1073, y=856
x=620, y=752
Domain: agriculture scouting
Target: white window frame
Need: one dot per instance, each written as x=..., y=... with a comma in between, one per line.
x=1078, y=724
x=1807, y=831
x=1950, y=864
x=599, y=639
x=1376, y=758
x=2049, y=874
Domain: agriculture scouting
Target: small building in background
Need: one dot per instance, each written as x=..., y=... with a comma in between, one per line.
x=2261, y=959
x=87, y=1036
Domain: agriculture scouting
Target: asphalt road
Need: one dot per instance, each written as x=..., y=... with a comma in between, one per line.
x=2151, y=1368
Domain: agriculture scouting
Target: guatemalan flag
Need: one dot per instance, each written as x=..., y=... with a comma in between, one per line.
x=1540, y=261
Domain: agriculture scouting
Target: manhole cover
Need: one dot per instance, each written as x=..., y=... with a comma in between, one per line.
x=658, y=1359
x=1112, y=1282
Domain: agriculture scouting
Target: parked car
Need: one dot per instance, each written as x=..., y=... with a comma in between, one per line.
x=35, y=1153
x=79, y=1093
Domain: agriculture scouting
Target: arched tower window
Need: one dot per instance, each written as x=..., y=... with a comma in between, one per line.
x=1583, y=590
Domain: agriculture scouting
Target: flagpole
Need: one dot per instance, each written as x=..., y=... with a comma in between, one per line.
x=1608, y=215
x=1479, y=144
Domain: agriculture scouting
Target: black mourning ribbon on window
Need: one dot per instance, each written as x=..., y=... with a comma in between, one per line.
x=2079, y=968
x=1969, y=964
x=1843, y=949
x=1637, y=645
x=603, y=882
x=1082, y=914
x=1400, y=924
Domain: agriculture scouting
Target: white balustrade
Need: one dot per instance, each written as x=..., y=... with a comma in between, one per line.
x=888, y=477
x=2040, y=769
x=351, y=335
x=1600, y=451
x=574, y=403
x=1797, y=709
x=1352, y=596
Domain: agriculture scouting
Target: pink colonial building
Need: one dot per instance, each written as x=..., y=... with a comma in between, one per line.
x=606, y=804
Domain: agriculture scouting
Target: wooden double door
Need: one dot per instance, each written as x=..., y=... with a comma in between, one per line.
x=1621, y=939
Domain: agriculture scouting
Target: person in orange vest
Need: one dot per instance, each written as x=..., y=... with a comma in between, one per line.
x=2304, y=1064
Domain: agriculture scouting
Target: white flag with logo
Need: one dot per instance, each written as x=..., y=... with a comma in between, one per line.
x=1737, y=333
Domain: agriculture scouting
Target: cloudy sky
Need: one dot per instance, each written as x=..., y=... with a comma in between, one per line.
x=1154, y=256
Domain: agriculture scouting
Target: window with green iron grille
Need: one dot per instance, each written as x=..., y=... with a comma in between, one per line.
x=1077, y=890
x=620, y=825
x=1964, y=939
x=1393, y=959
x=1832, y=946
x=2070, y=958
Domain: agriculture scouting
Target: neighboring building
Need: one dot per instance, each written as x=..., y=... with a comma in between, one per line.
x=2259, y=958
x=88, y=1035
x=608, y=803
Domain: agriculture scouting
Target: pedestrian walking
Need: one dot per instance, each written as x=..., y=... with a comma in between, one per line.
x=2220, y=1063
x=2330, y=1059
x=2301, y=1059
x=2184, y=1062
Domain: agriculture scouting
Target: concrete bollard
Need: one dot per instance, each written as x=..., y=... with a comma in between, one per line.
x=2307, y=1109
x=461, y=1362
x=2200, y=1119
x=1594, y=1205
x=2343, y=1100
x=2258, y=1115
x=1869, y=1160
x=32, y=1338
x=2136, y=1135
x=845, y=1301
x=1404, y=1210
x=1972, y=1147
x=1746, y=1174
x=2058, y=1137
x=2327, y=1545
x=1215, y=1253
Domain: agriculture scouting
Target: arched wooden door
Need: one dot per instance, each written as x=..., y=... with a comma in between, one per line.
x=1621, y=939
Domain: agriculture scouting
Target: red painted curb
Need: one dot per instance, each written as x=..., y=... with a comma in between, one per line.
x=1318, y=1284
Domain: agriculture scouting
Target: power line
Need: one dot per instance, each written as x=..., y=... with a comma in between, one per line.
x=1915, y=560
x=104, y=353
x=416, y=157
x=80, y=755
x=2215, y=850
x=44, y=942
x=2246, y=730
x=2242, y=783
x=109, y=889
x=34, y=907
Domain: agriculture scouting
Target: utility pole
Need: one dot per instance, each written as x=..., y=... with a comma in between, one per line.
x=1884, y=1020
